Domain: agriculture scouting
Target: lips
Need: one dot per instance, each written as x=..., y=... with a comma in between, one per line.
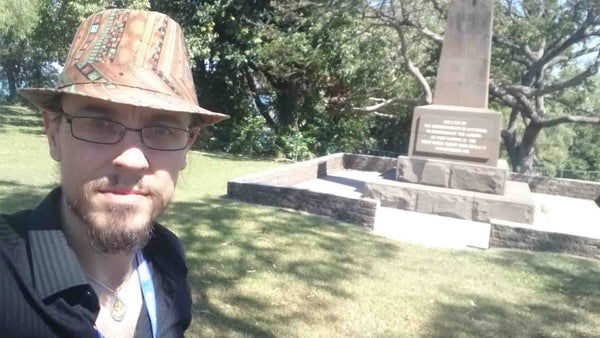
x=124, y=191
x=124, y=195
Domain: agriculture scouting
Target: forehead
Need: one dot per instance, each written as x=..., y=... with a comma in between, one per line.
x=80, y=105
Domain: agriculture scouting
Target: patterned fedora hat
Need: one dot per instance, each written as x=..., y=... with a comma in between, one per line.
x=130, y=57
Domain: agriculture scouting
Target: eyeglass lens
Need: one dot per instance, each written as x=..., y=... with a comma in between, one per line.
x=109, y=132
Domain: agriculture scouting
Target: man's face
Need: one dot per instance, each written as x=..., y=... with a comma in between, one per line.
x=116, y=189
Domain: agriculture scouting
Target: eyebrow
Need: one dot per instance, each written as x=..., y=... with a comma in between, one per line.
x=97, y=110
x=161, y=117
x=110, y=113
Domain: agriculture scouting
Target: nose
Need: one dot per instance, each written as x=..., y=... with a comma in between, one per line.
x=132, y=155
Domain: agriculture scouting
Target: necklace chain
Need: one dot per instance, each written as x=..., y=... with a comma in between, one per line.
x=117, y=305
x=104, y=285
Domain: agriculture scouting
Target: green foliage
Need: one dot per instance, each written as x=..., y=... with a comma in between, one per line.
x=35, y=36
x=18, y=18
x=291, y=73
x=351, y=134
x=298, y=66
x=552, y=149
x=294, y=146
x=247, y=136
x=584, y=154
x=548, y=45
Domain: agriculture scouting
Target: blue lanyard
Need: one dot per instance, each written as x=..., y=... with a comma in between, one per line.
x=147, y=290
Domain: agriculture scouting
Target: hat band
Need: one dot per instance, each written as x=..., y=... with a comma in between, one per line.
x=126, y=76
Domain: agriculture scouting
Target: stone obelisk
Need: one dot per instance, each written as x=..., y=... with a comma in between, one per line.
x=455, y=142
x=453, y=167
x=458, y=125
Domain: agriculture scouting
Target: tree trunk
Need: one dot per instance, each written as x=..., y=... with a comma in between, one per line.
x=12, y=78
x=523, y=155
x=262, y=108
x=287, y=106
x=523, y=163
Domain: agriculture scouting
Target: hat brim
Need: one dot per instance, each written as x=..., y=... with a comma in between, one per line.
x=44, y=98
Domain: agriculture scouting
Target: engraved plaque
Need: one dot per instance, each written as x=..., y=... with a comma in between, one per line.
x=456, y=136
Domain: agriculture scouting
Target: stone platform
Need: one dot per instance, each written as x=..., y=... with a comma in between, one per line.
x=455, y=175
x=334, y=185
x=514, y=205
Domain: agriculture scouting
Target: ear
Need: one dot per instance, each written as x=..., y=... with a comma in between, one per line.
x=195, y=131
x=52, y=126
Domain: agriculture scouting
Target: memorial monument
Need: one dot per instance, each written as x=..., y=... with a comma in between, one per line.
x=455, y=142
x=452, y=168
x=458, y=125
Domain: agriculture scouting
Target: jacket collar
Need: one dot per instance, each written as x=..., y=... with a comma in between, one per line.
x=54, y=264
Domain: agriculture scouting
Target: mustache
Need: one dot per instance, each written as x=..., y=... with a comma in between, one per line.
x=114, y=182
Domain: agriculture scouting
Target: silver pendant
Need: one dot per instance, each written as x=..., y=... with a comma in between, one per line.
x=117, y=308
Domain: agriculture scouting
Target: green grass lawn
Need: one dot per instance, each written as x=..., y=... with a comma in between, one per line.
x=266, y=272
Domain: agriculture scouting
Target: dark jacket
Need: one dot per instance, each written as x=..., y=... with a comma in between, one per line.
x=45, y=293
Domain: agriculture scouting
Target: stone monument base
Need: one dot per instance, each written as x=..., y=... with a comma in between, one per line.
x=455, y=175
x=514, y=205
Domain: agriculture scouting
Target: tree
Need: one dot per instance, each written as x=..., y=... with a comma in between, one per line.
x=554, y=49
x=544, y=58
x=35, y=36
x=18, y=19
x=297, y=64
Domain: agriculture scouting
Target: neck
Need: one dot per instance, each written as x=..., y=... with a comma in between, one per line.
x=111, y=269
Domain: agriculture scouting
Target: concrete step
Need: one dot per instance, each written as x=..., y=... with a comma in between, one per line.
x=431, y=230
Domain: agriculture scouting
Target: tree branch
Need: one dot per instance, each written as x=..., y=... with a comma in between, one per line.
x=581, y=33
x=500, y=94
x=428, y=33
x=383, y=104
x=570, y=119
x=412, y=69
x=565, y=58
x=504, y=41
x=575, y=80
x=558, y=47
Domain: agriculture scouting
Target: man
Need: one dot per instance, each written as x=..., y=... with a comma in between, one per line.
x=90, y=261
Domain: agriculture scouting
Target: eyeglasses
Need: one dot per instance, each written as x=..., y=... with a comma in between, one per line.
x=103, y=131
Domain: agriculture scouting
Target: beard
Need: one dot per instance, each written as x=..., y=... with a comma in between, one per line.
x=115, y=228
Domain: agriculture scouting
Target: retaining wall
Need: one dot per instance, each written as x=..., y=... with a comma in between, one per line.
x=298, y=172
x=274, y=187
x=560, y=186
x=515, y=237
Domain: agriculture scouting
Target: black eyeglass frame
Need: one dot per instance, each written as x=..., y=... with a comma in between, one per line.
x=70, y=118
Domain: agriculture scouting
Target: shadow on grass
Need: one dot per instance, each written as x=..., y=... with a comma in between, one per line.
x=223, y=252
x=20, y=119
x=231, y=244
x=21, y=196
x=575, y=278
x=569, y=297
x=493, y=318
